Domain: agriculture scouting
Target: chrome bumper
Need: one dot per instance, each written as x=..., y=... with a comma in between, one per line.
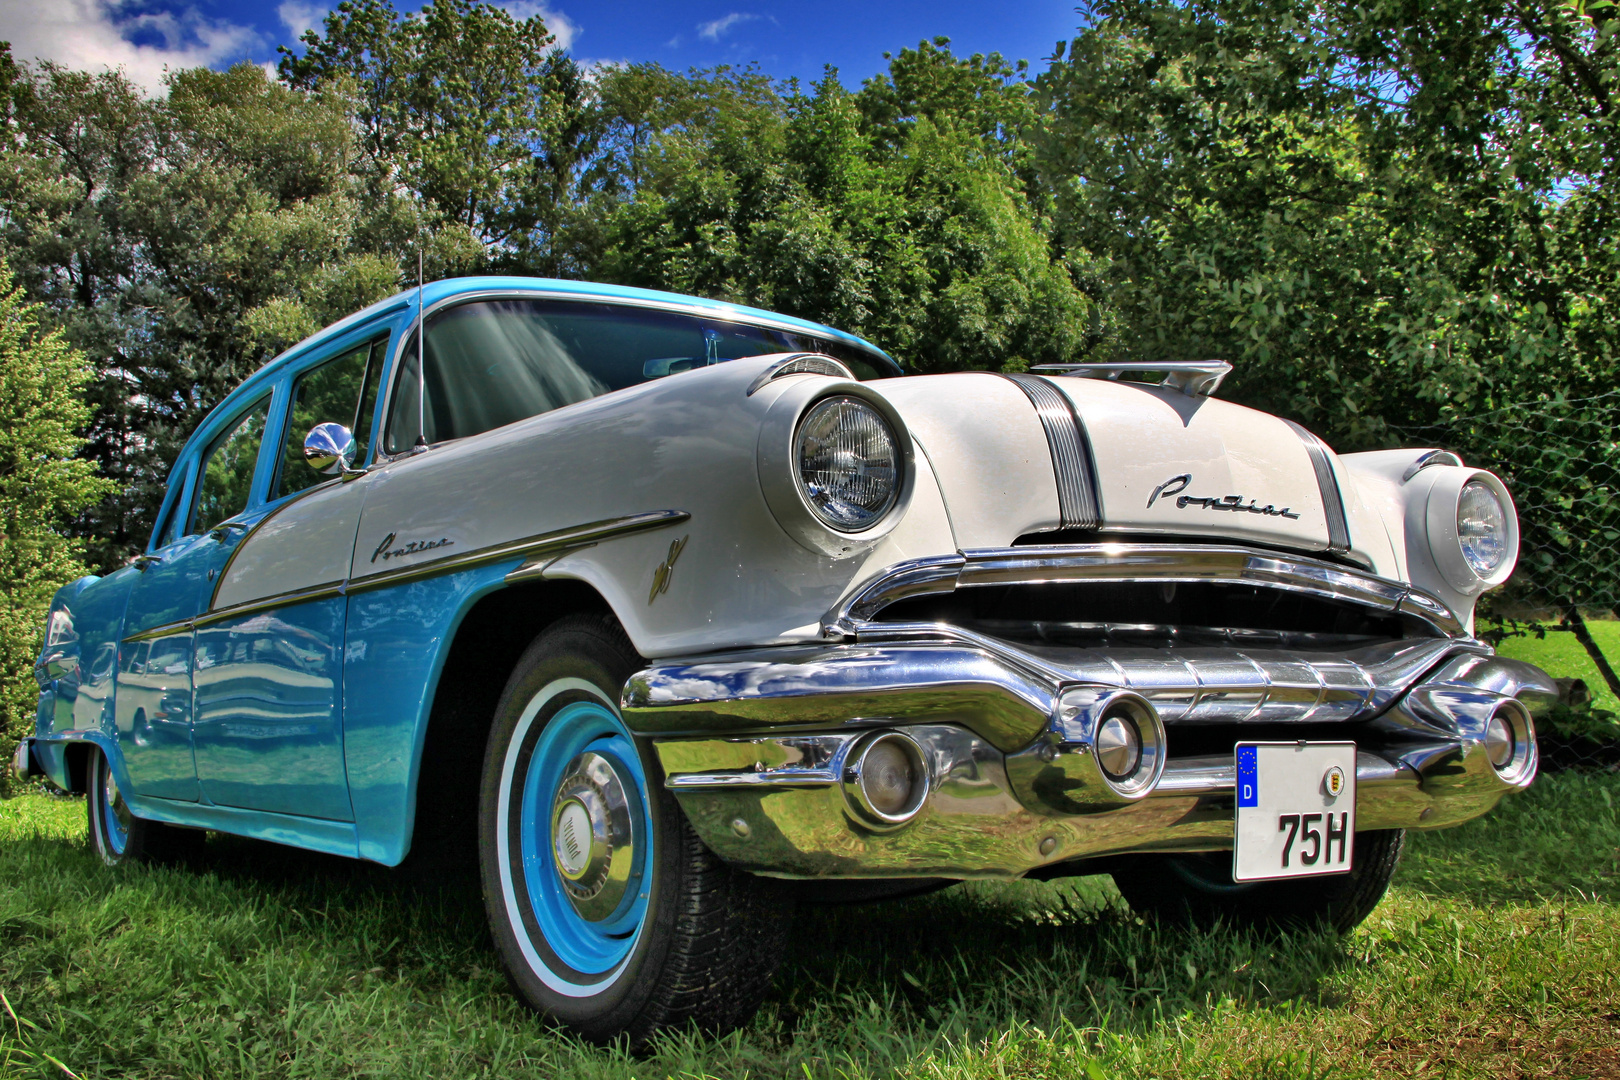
x=754, y=746
x=21, y=760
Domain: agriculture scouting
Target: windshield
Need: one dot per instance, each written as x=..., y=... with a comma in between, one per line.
x=495, y=362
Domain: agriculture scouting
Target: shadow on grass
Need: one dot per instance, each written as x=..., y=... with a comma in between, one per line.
x=1560, y=838
x=881, y=978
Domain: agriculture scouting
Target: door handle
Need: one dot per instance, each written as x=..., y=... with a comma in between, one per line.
x=144, y=561
x=221, y=533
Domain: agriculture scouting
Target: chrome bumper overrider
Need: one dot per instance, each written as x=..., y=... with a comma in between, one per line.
x=754, y=745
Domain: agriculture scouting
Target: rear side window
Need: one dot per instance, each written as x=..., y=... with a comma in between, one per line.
x=495, y=362
x=344, y=391
x=227, y=472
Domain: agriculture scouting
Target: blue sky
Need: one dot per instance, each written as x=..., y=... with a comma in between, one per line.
x=145, y=36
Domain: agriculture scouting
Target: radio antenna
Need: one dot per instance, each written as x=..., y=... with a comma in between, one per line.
x=421, y=360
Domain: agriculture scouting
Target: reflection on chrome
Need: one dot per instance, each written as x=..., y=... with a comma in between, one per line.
x=1135, y=562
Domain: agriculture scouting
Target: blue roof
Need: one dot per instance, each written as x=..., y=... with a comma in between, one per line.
x=435, y=291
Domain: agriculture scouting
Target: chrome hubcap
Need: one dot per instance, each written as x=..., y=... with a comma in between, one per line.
x=592, y=835
x=115, y=804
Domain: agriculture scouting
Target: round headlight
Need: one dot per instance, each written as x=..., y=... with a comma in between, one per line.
x=849, y=463
x=1482, y=528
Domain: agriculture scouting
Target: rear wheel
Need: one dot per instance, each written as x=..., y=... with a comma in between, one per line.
x=1198, y=890
x=118, y=836
x=610, y=914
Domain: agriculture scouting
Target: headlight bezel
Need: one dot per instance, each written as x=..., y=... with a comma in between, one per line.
x=1444, y=530
x=779, y=474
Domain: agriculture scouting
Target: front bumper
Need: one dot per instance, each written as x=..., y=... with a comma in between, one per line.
x=757, y=747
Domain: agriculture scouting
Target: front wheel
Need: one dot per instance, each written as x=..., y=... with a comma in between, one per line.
x=118, y=836
x=1198, y=890
x=610, y=914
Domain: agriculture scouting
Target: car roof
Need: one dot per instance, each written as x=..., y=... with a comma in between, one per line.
x=434, y=292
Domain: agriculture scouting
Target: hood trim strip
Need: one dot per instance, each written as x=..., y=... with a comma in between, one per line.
x=1079, y=500
x=1328, y=484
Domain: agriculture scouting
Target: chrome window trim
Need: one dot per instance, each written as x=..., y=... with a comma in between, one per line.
x=1124, y=562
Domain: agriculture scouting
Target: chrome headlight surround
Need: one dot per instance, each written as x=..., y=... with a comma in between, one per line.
x=781, y=480
x=1446, y=542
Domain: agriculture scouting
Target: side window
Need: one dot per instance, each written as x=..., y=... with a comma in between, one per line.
x=227, y=472
x=343, y=390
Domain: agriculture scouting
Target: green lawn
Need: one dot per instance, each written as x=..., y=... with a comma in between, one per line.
x=1494, y=956
x=1560, y=655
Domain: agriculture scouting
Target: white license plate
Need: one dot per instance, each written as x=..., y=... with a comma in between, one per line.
x=1296, y=810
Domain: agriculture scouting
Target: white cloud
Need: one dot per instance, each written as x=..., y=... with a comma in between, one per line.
x=564, y=29
x=713, y=31
x=93, y=35
x=298, y=17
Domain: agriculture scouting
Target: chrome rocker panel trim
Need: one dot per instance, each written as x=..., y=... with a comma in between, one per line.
x=1135, y=562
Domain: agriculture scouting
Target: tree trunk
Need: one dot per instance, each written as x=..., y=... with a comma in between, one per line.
x=1572, y=619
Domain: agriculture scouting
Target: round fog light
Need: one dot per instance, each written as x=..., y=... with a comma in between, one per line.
x=886, y=779
x=1119, y=746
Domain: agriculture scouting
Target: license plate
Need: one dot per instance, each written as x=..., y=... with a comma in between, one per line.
x=1296, y=810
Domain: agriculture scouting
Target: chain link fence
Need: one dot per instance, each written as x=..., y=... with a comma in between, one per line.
x=1560, y=457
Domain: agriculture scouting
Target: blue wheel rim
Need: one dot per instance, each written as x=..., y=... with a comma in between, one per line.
x=113, y=826
x=590, y=948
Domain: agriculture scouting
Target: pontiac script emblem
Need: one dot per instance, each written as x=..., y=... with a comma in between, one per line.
x=666, y=568
x=386, y=549
x=1234, y=503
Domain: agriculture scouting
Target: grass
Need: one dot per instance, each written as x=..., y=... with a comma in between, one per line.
x=1494, y=956
x=1561, y=656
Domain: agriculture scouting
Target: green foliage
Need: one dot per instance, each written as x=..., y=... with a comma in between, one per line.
x=1494, y=948
x=42, y=485
x=1397, y=221
x=861, y=210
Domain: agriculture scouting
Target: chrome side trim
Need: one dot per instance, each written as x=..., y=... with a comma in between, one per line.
x=1133, y=562
x=1195, y=378
x=1079, y=502
x=542, y=550
x=539, y=548
x=1328, y=484
x=801, y=364
x=1433, y=457
x=265, y=603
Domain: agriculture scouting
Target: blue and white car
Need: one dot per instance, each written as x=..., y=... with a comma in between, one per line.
x=672, y=613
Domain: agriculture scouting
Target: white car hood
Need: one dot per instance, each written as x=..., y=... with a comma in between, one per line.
x=1163, y=463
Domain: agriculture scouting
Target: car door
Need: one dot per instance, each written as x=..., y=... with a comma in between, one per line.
x=269, y=660
x=153, y=699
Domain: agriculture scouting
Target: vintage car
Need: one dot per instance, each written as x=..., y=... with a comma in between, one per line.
x=671, y=612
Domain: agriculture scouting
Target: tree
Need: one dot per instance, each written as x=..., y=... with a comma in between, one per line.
x=43, y=484
x=179, y=243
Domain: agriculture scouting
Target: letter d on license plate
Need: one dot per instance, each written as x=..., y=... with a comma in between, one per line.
x=1296, y=810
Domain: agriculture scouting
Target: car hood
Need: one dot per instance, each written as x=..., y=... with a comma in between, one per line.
x=1157, y=461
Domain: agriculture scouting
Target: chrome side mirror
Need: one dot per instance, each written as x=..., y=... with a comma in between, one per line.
x=329, y=449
